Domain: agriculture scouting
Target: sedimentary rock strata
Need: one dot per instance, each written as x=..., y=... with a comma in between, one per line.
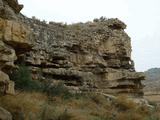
x=14, y=40
x=92, y=56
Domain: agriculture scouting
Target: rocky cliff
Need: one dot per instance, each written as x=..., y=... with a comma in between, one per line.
x=14, y=37
x=92, y=56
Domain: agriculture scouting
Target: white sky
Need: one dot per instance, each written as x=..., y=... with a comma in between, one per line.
x=141, y=16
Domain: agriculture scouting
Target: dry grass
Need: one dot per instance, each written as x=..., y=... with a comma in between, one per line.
x=23, y=104
x=153, y=98
x=37, y=106
x=129, y=116
x=123, y=104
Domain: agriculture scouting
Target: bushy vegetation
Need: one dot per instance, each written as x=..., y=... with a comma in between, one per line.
x=58, y=89
x=50, y=101
x=23, y=79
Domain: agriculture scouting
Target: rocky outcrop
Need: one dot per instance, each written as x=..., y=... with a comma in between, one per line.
x=4, y=114
x=14, y=4
x=15, y=34
x=92, y=56
x=8, y=56
x=14, y=40
x=6, y=85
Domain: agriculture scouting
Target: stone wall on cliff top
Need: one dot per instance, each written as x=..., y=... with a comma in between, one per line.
x=92, y=56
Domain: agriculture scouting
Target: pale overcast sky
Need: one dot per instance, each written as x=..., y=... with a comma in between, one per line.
x=141, y=16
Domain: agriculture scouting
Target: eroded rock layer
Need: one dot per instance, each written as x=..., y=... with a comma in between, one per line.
x=92, y=56
x=14, y=40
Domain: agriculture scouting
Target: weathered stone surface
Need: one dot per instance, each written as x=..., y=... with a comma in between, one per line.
x=92, y=56
x=14, y=40
x=7, y=12
x=6, y=85
x=4, y=77
x=14, y=4
x=4, y=114
x=8, y=56
x=15, y=34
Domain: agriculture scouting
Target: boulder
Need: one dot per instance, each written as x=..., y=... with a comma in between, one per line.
x=7, y=86
x=8, y=56
x=15, y=34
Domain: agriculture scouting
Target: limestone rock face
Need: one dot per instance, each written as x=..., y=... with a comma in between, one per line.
x=15, y=34
x=4, y=114
x=8, y=56
x=7, y=59
x=6, y=11
x=93, y=56
x=14, y=40
x=6, y=85
x=14, y=4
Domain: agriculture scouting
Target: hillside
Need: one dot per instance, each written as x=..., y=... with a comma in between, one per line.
x=152, y=81
x=153, y=74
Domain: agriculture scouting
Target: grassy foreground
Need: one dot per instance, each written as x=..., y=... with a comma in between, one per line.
x=38, y=106
x=55, y=102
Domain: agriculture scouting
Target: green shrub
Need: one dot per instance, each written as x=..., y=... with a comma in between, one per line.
x=56, y=90
x=23, y=79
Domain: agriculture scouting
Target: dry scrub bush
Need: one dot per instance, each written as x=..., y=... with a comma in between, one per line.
x=37, y=106
x=129, y=116
x=23, y=104
x=123, y=104
x=60, y=113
